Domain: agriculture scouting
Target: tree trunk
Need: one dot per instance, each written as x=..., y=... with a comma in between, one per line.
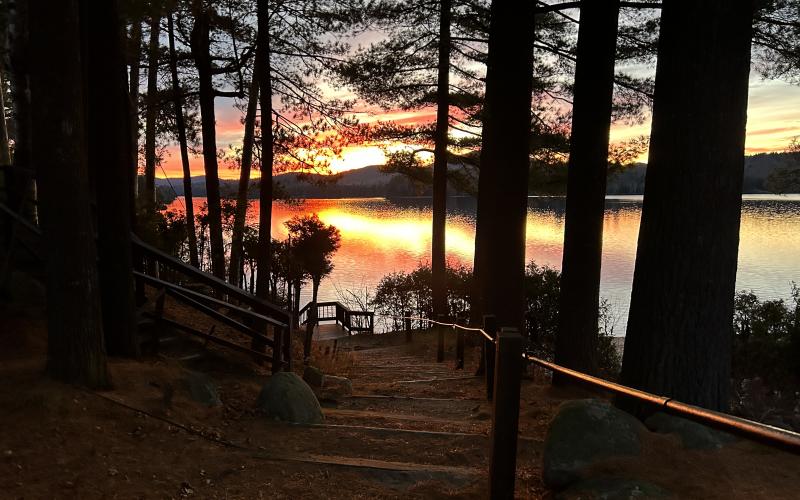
x=576, y=342
x=135, y=48
x=438, y=259
x=679, y=333
x=180, y=124
x=75, y=350
x=201, y=46
x=503, y=180
x=315, y=289
x=267, y=154
x=21, y=185
x=5, y=151
x=149, y=195
x=235, y=265
x=109, y=141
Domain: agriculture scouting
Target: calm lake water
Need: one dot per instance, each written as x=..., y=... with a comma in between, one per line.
x=380, y=236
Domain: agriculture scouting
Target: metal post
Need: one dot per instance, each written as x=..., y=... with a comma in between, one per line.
x=440, y=344
x=459, y=346
x=408, y=330
x=490, y=327
x=505, y=414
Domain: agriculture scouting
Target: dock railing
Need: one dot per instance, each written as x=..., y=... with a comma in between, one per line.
x=351, y=321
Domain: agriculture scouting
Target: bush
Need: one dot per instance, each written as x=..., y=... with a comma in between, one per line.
x=409, y=294
x=766, y=341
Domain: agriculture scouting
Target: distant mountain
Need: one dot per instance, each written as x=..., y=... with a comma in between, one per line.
x=372, y=182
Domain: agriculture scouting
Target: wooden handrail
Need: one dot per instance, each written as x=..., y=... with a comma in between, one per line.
x=259, y=305
x=342, y=315
x=242, y=312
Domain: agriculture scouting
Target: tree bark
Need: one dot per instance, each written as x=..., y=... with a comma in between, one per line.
x=75, y=350
x=20, y=185
x=180, y=124
x=267, y=155
x=109, y=144
x=135, y=50
x=5, y=151
x=149, y=195
x=680, y=330
x=201, y=46
x=576, y=342
x=503, y=179
x=235, y=265
x=438, y=251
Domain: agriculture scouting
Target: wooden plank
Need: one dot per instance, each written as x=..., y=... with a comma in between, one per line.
x=220, y=317
x=225, y=343
x=259, y=305
x=368, y=463
x=209, y=300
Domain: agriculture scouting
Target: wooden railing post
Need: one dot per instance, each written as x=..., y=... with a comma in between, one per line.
x=277, y=349
x=408, y=330
x=459, y=346
x=490, y=327
x=287, y=346
x=505, y=414
x=312, y=319
x=440, y=342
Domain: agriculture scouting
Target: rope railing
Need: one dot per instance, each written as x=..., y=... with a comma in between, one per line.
x=504, y=355
x=440, y=323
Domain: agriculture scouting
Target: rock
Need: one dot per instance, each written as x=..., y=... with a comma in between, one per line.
x=285, y=396
x=612, y=489
x=201, y=388
x=694, y=436
x=313, y=376
x=584, y=432
x=337, y=387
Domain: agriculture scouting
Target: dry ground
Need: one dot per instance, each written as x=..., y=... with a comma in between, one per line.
x=147, y=439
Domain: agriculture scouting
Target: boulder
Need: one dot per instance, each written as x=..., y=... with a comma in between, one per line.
x=313, y=376
x=608, y=488
x=584, y=432
x=337, y=387
x=285, y=396
x=694, y=436
x=201, y=388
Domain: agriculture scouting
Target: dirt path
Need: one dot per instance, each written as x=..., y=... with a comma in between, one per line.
x=413, y=428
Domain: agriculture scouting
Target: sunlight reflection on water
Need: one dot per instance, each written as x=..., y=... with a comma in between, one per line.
x=380, y=236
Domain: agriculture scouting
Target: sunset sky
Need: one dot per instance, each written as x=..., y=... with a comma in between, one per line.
x=773, y=120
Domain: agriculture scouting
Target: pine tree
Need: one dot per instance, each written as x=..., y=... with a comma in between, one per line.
x=679, y=334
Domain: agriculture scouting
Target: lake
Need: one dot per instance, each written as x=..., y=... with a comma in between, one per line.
x=380, y=236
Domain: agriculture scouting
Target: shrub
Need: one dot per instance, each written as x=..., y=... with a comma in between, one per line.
x=766, y=340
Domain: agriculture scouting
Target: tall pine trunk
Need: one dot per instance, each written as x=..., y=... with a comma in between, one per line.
x=679, y=333
x=135, y=50
x=505, y=160
x=180, y=124
x=149, y=195
x=5, y=151
x=21, y=186
x=267, y=155
x=75, y=350
x=438, y=259
x=109, y=141
x=235, y=266
x=576, y=342
x=201, y=46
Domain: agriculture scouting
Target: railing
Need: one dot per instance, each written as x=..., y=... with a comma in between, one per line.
x=350, y=321
x=246, y=313
x=504, y=355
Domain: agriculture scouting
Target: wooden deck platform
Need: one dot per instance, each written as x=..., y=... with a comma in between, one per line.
x=329, y=331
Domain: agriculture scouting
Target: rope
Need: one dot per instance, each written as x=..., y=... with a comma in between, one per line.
x=452, y=325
